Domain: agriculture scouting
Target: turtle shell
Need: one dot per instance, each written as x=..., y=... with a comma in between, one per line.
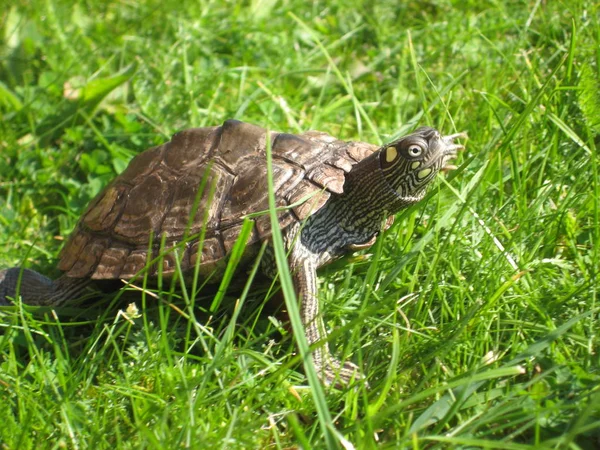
x=204, y=181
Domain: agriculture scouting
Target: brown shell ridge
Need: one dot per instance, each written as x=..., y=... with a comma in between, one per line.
x=295, y=149
x=293, y=181
x=112, y=243
x=109, y=233
x=156, y=194
x=169, y=174
x=222, y=201
x=134, y=260
x=168, y=206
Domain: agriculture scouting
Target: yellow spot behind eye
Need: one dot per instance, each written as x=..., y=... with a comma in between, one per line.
x=414, y=165
x=390, y=154
x=423, y=173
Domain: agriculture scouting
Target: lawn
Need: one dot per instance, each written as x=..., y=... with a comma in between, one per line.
x=474, y=318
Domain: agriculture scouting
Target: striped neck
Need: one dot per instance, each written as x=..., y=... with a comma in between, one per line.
x=369, y=196
x=355, y=216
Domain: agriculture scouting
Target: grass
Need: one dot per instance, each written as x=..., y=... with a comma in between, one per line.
x=474, y=318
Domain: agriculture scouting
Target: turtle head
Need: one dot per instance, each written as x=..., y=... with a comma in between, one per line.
x=412, y=162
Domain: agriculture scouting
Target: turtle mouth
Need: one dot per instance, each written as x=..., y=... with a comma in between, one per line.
x=450, y=150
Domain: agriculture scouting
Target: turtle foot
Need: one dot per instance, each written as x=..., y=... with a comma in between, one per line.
x=340, y=375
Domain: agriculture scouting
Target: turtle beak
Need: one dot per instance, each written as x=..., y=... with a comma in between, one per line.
x=450, y=150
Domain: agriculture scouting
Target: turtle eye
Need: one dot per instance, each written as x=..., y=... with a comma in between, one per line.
x=415, y=150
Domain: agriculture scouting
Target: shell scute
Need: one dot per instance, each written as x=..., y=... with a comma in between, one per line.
x=230, y=236
x=298, y=150
x=190, y=147
x=239, y=140
x=142, y=164
x=343, y=162
x=248, y=192
x=135, y=262
x=212, y=250
x=111, y=263
x=71, y=252
x=328, y=177
x=103, y=215
x=207, y=185
x=360, y=150
x=144, y=211
x=89, y=257
x=172, y=257
x=307, y=198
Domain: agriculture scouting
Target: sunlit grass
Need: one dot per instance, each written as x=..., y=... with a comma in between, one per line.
x=474, y=319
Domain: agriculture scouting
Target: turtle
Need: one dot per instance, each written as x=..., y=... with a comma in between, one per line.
x=193, y=193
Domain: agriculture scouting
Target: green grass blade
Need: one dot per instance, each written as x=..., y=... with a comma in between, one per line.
x=291, y=302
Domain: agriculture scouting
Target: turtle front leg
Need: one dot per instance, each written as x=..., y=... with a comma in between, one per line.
x=329, y=369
